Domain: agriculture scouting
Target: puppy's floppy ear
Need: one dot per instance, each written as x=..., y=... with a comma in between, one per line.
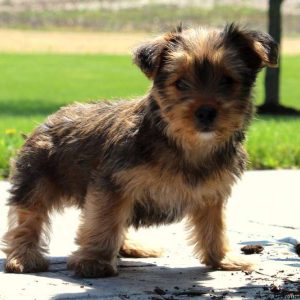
x=266, y=47
x=257, y=48
x=149, y=56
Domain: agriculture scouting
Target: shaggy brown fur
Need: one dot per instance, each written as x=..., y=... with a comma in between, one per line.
x=174, y=153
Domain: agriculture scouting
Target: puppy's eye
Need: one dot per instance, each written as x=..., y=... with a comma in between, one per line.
x=226, y=80
x=181, y=85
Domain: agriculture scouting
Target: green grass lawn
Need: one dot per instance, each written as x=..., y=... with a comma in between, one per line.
x=35, y=85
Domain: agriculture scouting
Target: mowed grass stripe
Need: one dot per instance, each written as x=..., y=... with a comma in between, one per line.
x=46, y=80
x=35, y=85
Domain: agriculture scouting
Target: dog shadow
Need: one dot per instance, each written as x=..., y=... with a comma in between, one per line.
x=145, y=280
x=136, y=280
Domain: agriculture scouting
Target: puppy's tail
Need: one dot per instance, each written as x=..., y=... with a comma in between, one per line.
x=133, y=249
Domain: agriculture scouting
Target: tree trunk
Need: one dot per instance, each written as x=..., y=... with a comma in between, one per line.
x=271, y=103
x=272, y=80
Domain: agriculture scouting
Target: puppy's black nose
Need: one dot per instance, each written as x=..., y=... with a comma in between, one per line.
x=206, y=116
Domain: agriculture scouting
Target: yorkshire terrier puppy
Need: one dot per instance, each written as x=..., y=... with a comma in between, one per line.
x=174, y=153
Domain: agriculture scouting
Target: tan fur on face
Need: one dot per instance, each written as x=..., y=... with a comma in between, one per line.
x=180, y=114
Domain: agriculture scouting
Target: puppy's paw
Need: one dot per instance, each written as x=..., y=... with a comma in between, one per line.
x=133, y=249
x=30, y=262
x=92, y=268
x=231, y=263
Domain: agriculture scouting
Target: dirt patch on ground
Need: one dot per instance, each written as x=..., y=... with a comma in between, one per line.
x=291, y=46
x=88, y=42
x=68, y=42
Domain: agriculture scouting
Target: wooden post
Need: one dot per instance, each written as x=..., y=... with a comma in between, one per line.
x=272, y=78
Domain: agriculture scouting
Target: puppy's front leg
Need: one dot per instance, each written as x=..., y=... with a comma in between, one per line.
x=209, y=237
x=104, y=222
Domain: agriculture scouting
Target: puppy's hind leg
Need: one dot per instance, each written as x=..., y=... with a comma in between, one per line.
x=29, y=219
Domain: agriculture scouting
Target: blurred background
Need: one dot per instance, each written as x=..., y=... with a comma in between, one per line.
x=54, y=52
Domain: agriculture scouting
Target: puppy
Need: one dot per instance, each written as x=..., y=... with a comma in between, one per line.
x=172, y=154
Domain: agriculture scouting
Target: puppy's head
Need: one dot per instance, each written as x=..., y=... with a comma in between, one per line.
x=202, y=79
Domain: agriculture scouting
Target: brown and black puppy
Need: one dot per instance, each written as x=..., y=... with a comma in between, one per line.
x=174, y=153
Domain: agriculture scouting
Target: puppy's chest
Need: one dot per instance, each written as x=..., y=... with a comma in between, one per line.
x=162, y=196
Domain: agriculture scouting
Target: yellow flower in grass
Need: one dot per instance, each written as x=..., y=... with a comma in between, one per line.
x=10, y=131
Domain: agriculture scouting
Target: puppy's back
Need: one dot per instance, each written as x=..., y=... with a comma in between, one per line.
x=59, y=157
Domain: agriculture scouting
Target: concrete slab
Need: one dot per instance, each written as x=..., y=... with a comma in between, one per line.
x=264, y=209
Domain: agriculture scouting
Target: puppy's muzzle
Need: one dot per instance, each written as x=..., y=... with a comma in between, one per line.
x=205, y=118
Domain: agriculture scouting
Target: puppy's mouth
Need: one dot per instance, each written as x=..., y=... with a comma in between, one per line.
x=206, y=128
